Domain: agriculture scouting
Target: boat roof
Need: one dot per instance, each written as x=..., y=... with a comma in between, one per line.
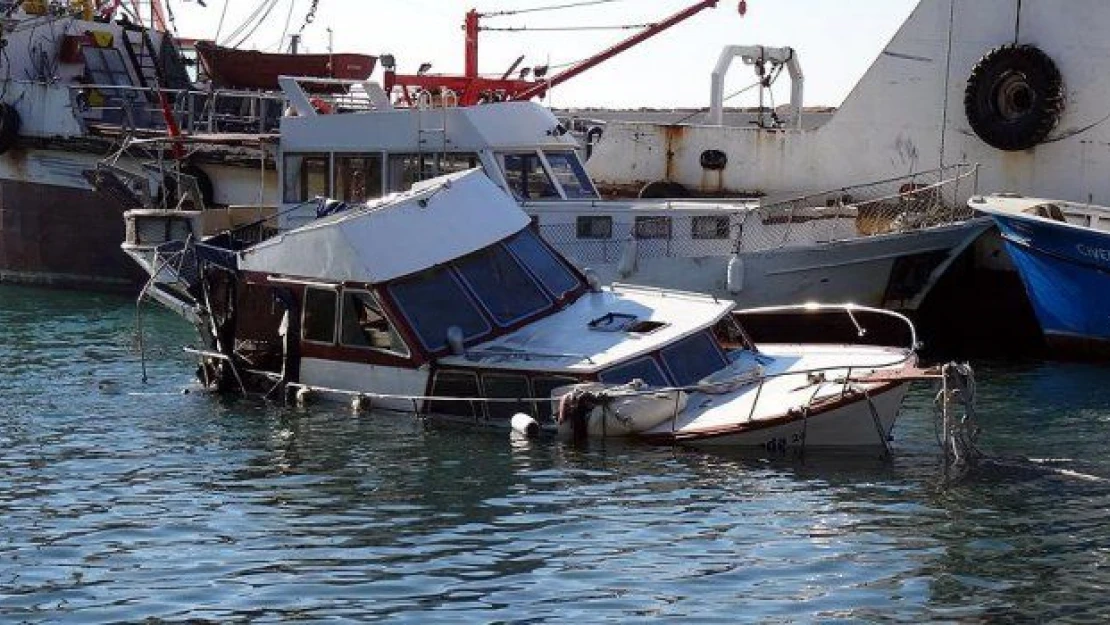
x=564, y=341
x=401, y=234
x=501, y=126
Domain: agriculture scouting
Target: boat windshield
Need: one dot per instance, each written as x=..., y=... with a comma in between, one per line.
x=505, y=289
x=555, y=276
x=527, y=178
x=432, y=302
x=568, y=170
x=693, y=358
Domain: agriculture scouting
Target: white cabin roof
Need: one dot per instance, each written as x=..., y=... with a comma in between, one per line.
x=501, y=126
x=401, y=234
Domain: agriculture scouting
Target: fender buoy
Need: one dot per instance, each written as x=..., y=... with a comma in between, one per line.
x=9, y=126
x=662, y=189
x=1014, y=97
x=322, y=107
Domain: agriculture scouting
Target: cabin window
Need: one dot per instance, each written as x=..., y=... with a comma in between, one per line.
x=653, y=227
x=432, y=302
x=709, y=227
x=507, y=291
x=568, y=170
x=542, y=387
x=594, y=227
x=645, y=369
x=545, y=265
x=318, y=325
x=693, y=358
x=358, y=178
x=364, y=324
x=455, y=384
x=527, y=178
x=306, y=177
x=408, y=169
x=506, y=386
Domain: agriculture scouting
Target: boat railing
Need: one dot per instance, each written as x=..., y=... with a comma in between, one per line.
x=894, y=206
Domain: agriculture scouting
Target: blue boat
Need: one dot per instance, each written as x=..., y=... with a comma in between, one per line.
x=1062, y=252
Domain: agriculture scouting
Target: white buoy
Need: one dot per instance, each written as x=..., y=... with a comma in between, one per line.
x=525, y=425
x=735, y=274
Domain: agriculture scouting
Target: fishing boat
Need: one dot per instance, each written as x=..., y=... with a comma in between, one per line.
x=442, y=301
x=1062, y=253
x=251, y=69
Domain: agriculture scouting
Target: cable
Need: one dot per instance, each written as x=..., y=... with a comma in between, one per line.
x=555, y=7
x=220, y=27
x=514, y=29
x=288, y=20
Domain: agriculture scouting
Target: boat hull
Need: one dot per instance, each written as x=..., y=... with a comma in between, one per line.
x=250, y=69
x=1066, y=274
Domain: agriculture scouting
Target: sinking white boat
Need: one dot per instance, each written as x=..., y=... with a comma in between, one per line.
x=442, y=301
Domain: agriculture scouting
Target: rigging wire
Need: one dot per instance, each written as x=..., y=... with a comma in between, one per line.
x=554, y=7
x=516, y=29
x=288, y=21
x=252, y=21
x=220, y=27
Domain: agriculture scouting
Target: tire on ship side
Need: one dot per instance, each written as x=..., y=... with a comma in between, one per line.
x=664, y=189
x=1014, y=97
x=9, y=126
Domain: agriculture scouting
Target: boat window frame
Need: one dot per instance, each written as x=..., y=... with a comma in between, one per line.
x=718, y=220
x=335, y=314
x=336, y=190
x=477, y=408
x=528, y=406
x=578, y=230
x=412, y=326
x=549, y=301
x=663, y=373
x=642, y=226
x=554, y=256
x=392, y=326
x=429, y=165
x=706, y=333
x=579, y=169
x=302, y=189
x=538, y=154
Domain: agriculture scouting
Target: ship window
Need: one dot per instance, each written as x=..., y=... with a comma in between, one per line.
x=364, y=324
x=527, y=178
x=568, y=170
x=502, y=285
x=594, y=227
x=645, y=369
x=542, y=387
x=432, y=302
x=306, y=177
x=318, y=324
x=543, y=263
x=408, y=169
x=709, y=227
x=693, y=358
x=358, y=178
x=455, y=384
x=505, y=386
x=653, y=227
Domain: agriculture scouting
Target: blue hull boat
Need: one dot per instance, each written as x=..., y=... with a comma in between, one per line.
x=1062, y=252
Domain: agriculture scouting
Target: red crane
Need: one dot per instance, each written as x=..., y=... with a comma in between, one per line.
x=472, y=88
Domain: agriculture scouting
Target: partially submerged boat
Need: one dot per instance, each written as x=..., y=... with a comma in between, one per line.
x=443, y=301
x=1062, y=253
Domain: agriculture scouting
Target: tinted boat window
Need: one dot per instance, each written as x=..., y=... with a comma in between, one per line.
x=543, y=263
x=505, y=386
x=568, y=170
x=365, y=325
x=458, y=385
x=502, y=285
x=527, y=178
x=693, y=358
x=318, y=324
x=434, y=301
x=645, y=369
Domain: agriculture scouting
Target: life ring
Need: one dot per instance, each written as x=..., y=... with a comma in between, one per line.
x=9, y=126
x=663, y=189
x=1014, y=97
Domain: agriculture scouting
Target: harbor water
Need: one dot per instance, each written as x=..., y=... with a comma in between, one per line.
x=126, y=501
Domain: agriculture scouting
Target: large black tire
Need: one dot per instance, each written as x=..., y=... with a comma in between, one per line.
x=1014, y=97
x=9, y=126
x=664, y=189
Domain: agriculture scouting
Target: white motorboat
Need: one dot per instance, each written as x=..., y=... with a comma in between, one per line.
x=443, y=301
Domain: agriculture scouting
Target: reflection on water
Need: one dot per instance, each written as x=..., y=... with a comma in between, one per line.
x=124, y=501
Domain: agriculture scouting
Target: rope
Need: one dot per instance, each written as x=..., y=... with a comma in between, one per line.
x=554, y=7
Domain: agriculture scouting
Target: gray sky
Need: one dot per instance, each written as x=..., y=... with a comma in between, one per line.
x=836, y=40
